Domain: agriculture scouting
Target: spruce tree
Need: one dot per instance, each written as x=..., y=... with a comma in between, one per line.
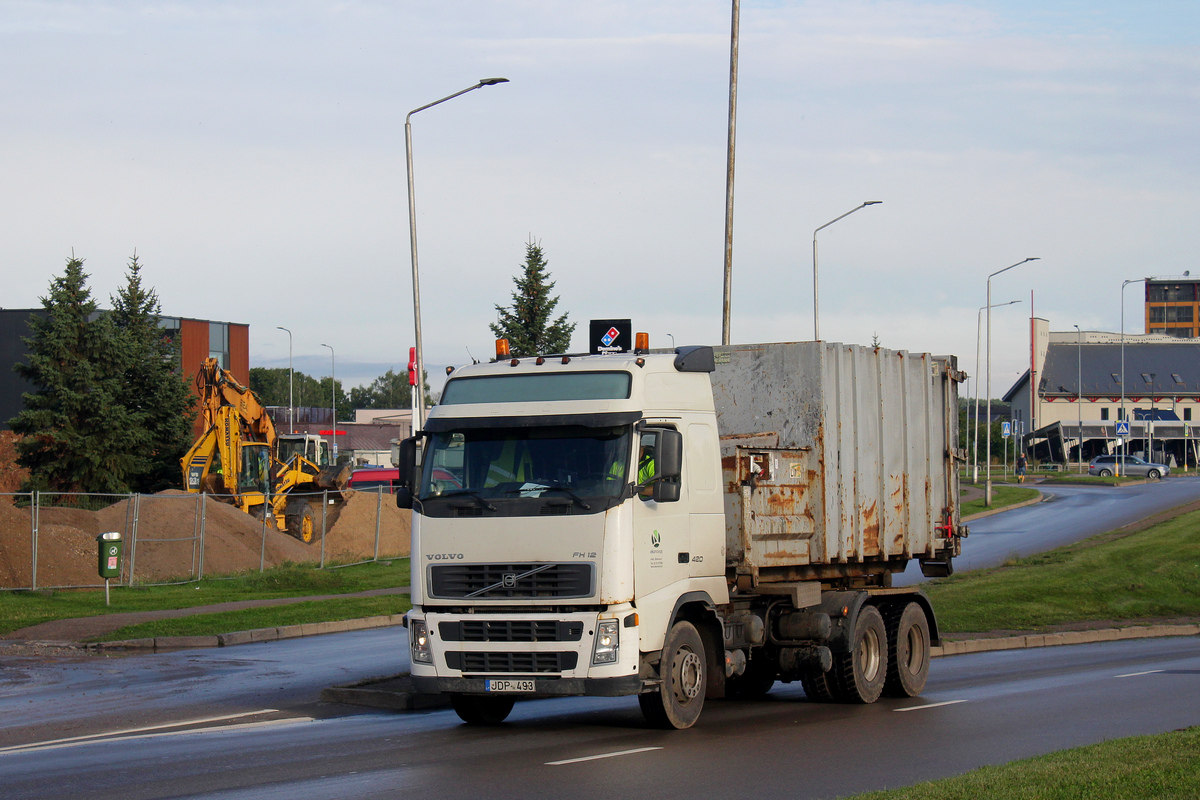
x=77, y=435
x=155, y=390
x=527, y=325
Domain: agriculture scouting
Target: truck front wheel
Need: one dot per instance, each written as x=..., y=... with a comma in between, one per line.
x=680, y=695
x=475, y=710
x=860, y=673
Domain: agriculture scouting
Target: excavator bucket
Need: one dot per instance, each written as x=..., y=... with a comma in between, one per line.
x=334, y=477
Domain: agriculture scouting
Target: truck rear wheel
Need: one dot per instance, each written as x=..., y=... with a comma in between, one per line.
x=680, y=695
x=301, y=525
x=476, y=710
x=860, y=673
x=908, y=651
x=818, y=686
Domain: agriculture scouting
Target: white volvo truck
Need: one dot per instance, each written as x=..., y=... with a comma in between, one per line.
x=681, y=526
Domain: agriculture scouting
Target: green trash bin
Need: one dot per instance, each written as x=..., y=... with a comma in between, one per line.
x=111, y=548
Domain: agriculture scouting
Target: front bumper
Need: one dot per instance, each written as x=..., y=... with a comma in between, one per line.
x=561, y=687
x=555, y=651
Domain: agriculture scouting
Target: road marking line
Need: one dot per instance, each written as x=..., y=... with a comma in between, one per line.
x=1135, y=674
x=129, y=731
x=602, y=755
x=930, y=705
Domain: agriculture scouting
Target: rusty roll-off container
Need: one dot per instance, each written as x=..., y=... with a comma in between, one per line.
x=839, y=461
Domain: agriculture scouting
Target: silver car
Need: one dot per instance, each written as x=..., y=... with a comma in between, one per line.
x=1132, y=466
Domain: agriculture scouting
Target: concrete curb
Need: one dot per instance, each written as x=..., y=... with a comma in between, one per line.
x=395, y=692
x=965, y=646
x=163, y=644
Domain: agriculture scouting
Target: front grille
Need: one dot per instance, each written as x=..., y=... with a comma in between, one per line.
x=505, y=581
x=543, y=630
x=513, y=663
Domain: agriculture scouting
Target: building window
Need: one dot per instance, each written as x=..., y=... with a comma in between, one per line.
x=218, y=343
x=1104, y=413
x=1170, y=292
x=1187, y=415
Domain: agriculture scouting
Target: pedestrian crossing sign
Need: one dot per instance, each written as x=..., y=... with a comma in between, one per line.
x=1122, y=428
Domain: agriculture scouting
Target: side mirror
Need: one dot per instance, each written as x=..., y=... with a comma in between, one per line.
x=669, y=466
x=404, y=495
x=405, y=484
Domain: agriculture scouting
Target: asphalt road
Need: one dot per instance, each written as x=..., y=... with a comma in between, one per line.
x=980, y=709
x=246, y=722
x=1071, y=513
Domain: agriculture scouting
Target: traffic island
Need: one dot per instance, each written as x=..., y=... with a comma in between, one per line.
x=394, y=693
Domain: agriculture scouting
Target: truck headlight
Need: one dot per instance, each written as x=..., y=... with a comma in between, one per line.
x=419, y=642
x=608, y=642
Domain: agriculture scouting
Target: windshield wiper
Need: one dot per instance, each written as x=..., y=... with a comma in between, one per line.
x=553, y=486
x=476, y=496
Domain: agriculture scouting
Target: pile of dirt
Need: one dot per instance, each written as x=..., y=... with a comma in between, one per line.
x=11, y=475
x=352, y=535
x=168, y=538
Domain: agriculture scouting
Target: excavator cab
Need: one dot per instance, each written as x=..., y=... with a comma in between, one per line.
x=308, y=446
x=255, y=474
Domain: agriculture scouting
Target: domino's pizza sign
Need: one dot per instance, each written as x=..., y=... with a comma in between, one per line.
x=610, y=336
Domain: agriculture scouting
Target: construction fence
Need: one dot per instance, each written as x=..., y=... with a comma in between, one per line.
x=48, y=540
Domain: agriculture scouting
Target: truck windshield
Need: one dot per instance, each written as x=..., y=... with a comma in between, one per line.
x=492, y=464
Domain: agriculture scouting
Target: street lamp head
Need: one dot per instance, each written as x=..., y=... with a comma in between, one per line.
x=492, y=81
x=872, y=202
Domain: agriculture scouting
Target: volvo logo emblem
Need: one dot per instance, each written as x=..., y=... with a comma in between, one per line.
x=509, y=580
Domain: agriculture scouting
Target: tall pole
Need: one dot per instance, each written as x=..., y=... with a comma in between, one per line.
x=419, y=419
x=733, y=67
x=975, y=446
x=987, y=492
x=333, y=399
x=1121, y=415
x=816, y=294
x=1079, y=391
x=291, y=405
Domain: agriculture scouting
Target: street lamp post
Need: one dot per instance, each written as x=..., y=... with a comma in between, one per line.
x=1079, y=391
x=975, y=446
x=333, y=398
x=291, y=405
x=816, y=296
x=1121, y=415
x=987, y=492
x=418, y=421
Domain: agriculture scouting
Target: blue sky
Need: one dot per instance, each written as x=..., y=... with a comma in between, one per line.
x=253, y=154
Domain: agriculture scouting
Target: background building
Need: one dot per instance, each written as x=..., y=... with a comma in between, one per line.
x=228, y=342
x=1080, y=395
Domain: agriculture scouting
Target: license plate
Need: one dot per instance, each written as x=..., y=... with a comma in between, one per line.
x=508, y=686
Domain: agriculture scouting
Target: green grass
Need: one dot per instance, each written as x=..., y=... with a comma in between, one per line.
x=1151, y=573
x=1001, y=496
x=269, y=617
x=1162, y=767
x=22, y=609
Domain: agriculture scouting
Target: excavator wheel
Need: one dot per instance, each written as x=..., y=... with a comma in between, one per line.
x=302, y=525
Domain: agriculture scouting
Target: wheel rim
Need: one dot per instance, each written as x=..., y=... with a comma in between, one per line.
x=868, y=654
x=687, y=674
x=916, y=649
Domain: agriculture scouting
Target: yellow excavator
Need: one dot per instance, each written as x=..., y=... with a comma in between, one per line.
x=241, y=460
